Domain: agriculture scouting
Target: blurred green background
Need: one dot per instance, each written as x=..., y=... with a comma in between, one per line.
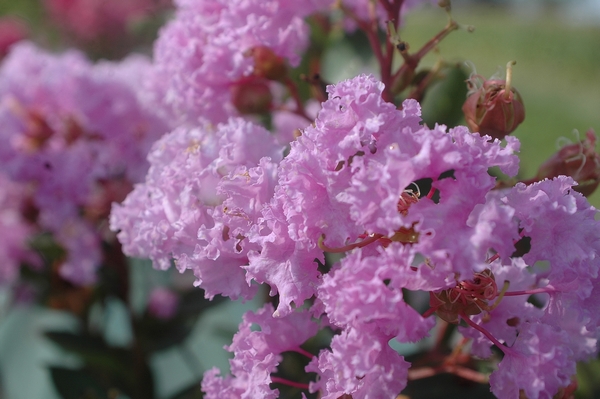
x=557, y=70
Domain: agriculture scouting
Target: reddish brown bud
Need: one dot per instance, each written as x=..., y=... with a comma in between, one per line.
x=493, y=107
x=12, y=30
x=267, y=64
x=37, y=132
x=579, y=160
x=252, y=95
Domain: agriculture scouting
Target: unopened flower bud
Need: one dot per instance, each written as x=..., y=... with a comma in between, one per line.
x=445, y=4
x=11, y=31
x=252, y=95
x=267, y=64
x=163, y=303
x=37, y=131
x=578, y=160
x=495, y=107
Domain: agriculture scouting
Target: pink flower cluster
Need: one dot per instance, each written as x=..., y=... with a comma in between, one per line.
x=76, y=136
x=345, y=215
x=205, y=52
x=413, y=208
x=203, y=193
x=91, y=20
x=212, y=53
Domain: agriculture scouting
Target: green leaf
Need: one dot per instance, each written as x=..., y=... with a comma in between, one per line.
x=157, y=335
x=191, y=392
x=92, y=350
x=446, y=386
x=445, y=96
x=78, y=384
x=193, y=303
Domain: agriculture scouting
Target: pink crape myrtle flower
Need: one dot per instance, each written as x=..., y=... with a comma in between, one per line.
x=361, y=365
x=561, y=266
x=73, y=129
x=163, y=303
x=412, y=207
x=205, y=52
x=257, y=354
x=15, y=230
x=202, y=195
x=344, y=177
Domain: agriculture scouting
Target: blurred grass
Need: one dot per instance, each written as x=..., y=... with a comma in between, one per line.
x=30, y=11
x=557, y=70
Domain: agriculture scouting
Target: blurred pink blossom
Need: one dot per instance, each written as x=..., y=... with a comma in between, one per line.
x=163, y=303
x=91, y=19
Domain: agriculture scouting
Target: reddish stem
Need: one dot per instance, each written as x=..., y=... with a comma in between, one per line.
x=393, y=13
x=493, y=258
x=303, y=352
x=291, y=85
x=412, y=61
x=485, y=332
x=431, y=193
x=463, y=372
x=429, y=312
x=548, y=289
x=370, y=28
x=279, y=380
x=349, y=247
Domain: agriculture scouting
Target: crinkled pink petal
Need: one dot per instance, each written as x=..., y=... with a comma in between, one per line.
x=361, y=365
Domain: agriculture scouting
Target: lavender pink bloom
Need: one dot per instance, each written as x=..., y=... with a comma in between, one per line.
x=414, y=208
x=205, y=51
x=202, y=196
x=91, y=20
x=15, y=230
x=70, y=128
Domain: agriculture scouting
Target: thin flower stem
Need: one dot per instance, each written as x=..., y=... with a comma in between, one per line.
x=303, y=352
x=279, y=380
x=384, y=59
x=429, y=312
x=493, y=258
x=549, y=289
x=439, y=339
x=485, y=332
x=393, y=14
x=468, y=374
x=291, y=85
x=349, y=247
x=431, y=44
x=464, y=372
x=412, y=61
x=452, y=358
x=418, y=92
x=431, y=193
x=367, y=27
